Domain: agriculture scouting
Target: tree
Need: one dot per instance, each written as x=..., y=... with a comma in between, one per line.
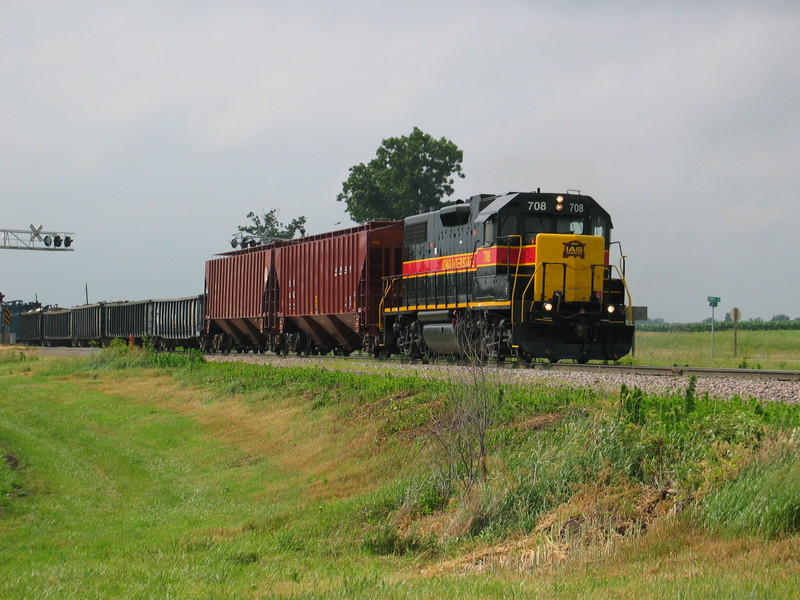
x=408, y=173
x=266, y=227
x=780, y=317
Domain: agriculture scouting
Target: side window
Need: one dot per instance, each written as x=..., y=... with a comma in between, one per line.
x=488, y=231
x=599, y=227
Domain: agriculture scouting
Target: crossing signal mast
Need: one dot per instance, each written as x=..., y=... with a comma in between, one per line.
x=36, y=239
x=33, y=239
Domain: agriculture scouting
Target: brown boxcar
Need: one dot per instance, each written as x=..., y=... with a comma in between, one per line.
x=240, y=299
x=330, y=286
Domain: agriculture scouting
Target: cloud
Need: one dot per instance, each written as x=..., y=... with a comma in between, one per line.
x=151, y=129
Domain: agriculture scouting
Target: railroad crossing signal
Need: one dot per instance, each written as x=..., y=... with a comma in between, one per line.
x=36, y=239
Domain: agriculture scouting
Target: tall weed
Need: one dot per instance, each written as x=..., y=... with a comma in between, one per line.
x=763, y=500
x=684, y=443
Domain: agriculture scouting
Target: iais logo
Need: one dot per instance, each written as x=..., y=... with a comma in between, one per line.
x=574, y=249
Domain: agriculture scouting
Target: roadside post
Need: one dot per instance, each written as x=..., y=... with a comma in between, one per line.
x=736, y=316
x=713, y=302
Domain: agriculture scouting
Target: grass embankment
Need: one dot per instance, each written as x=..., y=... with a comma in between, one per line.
x=133, y=475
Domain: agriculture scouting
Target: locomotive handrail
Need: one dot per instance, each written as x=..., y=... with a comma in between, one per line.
x=516, y=270
x=544, y=285
x=525, y=292
x=390, y=281
x=629, y=307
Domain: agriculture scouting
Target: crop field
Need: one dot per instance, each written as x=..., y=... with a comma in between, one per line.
x=754, y=349
x=128, y=474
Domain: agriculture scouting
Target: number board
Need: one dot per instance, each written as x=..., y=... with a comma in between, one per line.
x=569, y=206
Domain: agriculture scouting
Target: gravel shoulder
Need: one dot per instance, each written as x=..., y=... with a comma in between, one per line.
x=716, y=387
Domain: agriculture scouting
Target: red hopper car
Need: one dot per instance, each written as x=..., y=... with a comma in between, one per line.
x=319, y=293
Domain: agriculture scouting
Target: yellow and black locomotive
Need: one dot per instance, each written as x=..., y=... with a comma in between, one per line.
x=522, y=274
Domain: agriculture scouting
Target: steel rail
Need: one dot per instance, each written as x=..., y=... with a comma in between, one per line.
x=645, y=370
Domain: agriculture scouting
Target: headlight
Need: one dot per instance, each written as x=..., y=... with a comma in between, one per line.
x=611, y=309
x=548, y=306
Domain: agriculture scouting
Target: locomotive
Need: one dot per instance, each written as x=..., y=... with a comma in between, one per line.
x=524, y=275
x=521, y=274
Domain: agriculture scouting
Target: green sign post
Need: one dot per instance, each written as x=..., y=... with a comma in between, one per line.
x=713, y=302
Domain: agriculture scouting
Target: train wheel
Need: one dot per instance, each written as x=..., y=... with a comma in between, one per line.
x=409, y=340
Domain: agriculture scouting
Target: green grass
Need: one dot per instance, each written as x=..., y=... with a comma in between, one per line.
x=129, y=475
x=764, y=499
x=755, y=349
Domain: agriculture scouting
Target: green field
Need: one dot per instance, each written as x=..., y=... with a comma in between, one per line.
x=129, y=475
x=754, y=349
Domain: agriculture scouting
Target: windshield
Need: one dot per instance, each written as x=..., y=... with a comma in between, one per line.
x=535, y=224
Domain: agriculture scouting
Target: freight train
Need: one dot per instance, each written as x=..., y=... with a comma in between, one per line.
x=524, y=275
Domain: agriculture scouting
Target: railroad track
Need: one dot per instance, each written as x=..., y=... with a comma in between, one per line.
x=657, y=371
x=688, y=371
x=754, y=383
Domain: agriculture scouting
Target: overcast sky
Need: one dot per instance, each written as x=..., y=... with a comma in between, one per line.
x=150, y=129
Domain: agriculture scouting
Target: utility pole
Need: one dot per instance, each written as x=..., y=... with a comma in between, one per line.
x=36, y=239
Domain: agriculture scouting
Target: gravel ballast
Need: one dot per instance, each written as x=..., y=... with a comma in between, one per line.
x=717, y=387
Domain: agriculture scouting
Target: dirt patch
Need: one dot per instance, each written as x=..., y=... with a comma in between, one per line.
x=590, y=526
x=11, y=460
x=539, y=422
